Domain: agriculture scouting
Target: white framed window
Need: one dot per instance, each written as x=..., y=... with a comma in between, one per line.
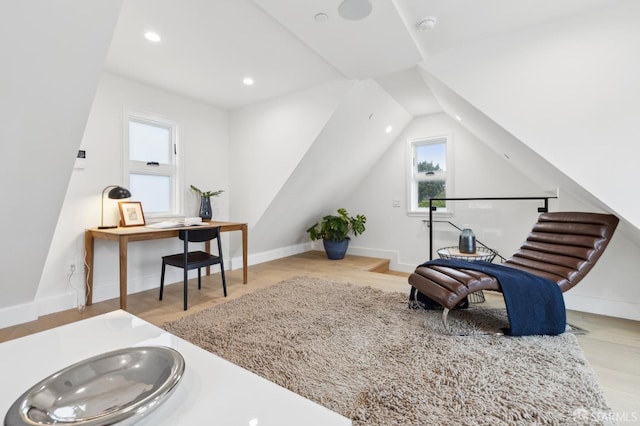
x=152, y=167
x=430, y=176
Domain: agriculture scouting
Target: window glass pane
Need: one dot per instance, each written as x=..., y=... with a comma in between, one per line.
x=432, y=189
x=154, y=191
x=432, y=157
x=149, y=142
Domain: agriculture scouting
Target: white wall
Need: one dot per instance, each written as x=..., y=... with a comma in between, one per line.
x=609, y=289
x=270, y=138
x=559, y=100
x=568, y=90
x=351, y=142
x=52, y=56
x=478, y=172
x=268, y=141
x=204, y=140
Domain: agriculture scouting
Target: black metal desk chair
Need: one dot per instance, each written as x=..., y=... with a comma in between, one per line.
x=196, y=259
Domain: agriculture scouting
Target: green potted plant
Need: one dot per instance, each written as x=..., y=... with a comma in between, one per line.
x=205, y=201
x=334, y=231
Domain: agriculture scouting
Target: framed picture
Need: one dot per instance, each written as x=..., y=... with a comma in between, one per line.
x=131, y=213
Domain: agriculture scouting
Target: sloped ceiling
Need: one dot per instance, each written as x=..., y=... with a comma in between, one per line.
x=462, y=22
x=376, y=45
x=47, y=84
x=567, y=90
x=409, y=89
x=209, y=46
x=350, y=143
x=54, y=59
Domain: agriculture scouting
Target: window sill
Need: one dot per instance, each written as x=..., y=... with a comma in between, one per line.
x=154, y=218
x=425, y=214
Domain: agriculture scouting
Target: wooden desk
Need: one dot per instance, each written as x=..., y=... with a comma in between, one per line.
x=142, y=233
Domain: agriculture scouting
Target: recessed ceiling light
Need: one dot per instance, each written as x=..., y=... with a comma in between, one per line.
x=152, y=36
x=388, y=129
x=354, y=10
x=427, y=24
x=321, y=18
x=248, y=81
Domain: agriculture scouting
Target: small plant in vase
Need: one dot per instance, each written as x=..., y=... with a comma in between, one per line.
x=334, y=231
x=205, y=201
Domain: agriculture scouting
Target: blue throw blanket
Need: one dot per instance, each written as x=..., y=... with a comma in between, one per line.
x=535, y=305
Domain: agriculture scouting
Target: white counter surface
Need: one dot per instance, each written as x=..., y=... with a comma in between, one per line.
x=212, y=392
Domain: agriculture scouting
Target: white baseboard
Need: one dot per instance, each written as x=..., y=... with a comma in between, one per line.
x=148, y=282
x=392, y=255
x=32, y=311
x=612, y=308
x=267, y=256
x=58, y=303
x=18, y=314
x=136, y=285
x=607, y=307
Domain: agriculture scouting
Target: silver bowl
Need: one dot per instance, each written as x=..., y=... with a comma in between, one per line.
x=115, y=387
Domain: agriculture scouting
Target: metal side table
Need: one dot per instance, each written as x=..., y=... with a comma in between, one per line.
x=482, y=253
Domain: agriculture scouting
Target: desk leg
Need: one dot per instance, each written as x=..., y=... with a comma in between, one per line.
x=123, y=243
x=88, y=272
x=245, y=269
x=207, y=248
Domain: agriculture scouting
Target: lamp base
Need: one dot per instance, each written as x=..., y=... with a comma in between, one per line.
x=107, y=227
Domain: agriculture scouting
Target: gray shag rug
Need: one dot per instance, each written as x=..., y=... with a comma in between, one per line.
x=363, y=353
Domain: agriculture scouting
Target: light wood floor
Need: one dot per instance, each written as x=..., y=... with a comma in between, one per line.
x=612, y=346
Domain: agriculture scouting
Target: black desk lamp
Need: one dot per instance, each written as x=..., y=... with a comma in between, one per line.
x=116, y=193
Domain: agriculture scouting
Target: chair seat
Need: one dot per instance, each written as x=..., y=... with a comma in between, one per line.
x=195, y=259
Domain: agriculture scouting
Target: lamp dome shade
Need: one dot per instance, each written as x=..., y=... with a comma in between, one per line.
x=119, y=193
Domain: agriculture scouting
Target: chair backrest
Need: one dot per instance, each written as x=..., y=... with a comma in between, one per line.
x=564, y=246
x=200, y=235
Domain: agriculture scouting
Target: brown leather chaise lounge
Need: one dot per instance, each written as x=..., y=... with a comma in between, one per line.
x=562, y=247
